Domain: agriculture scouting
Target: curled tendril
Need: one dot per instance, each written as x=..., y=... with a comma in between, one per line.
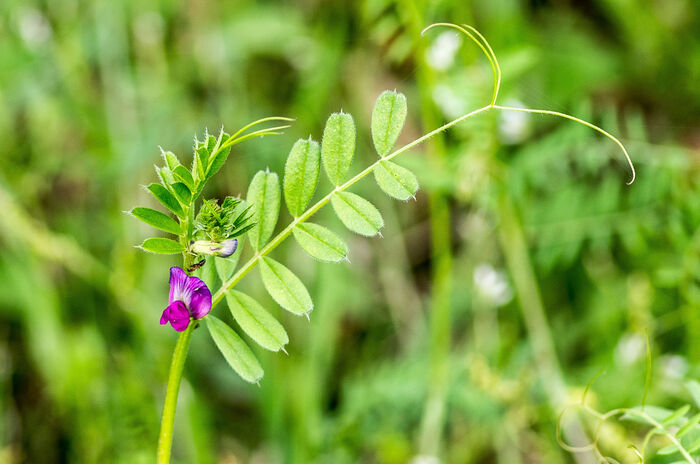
x=485, y=47
x=483, y=44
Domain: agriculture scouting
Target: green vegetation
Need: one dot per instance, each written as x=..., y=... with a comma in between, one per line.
x=471, y=331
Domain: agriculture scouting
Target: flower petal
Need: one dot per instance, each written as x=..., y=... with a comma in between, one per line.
x=228, y=247
x=178, y=280
x=176, y=313
x=180, y=324
x=200, y=303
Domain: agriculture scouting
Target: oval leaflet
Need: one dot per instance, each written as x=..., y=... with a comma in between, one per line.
x=235, y=351
x=358, y=214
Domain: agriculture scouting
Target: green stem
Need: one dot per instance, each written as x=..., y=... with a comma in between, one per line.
x=165, y=440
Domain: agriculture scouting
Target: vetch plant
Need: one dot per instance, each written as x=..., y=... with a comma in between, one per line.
x=208, y=230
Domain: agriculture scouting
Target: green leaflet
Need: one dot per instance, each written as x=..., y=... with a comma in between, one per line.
x=171, y=160
x=301, y=175
x=690, y=425
x=217, y=161
x=182, y=174
x=655, y=412
x=285, y=287
x=237, y=353
x=165, y=175
x=226, y=266
x=156, y=219
x=676, y=415
x=320, y=242
x=256, y=322
x=162, y=246
x=166, y=198
x=395, y=181
x=264, y=196
x=358, y=214
x=182, y=192
x=388, y=119
x=670, y=449
x=202, y=156
x=338, y=146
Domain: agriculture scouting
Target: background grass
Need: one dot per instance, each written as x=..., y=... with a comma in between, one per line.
x=523, y=268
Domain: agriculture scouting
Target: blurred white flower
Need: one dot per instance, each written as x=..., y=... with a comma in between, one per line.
x=492, y=285
x=425, y=459
x=34, y=28
x=441, y=53
x=630, y=348
x=674, y=366
x=451, y=105
x=513, y=126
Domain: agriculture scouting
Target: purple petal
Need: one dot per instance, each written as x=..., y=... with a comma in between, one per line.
x=200, y=303
x=176, y=313
x=180, y=324
x=190, y=291
x=228, y=247
x=178, y=279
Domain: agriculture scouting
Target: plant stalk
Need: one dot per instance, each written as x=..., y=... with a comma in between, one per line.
x=165, y=440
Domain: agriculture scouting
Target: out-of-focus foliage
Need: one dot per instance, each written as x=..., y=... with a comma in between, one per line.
x=89, y=90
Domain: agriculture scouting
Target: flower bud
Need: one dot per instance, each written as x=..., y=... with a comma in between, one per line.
x=228, y=247
x=208, y=247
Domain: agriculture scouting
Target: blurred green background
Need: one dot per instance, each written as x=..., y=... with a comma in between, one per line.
x=524, y=267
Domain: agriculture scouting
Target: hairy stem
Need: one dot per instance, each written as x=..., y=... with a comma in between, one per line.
x=165, y=439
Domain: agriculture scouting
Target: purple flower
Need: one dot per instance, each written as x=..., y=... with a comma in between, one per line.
x=189, y=298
